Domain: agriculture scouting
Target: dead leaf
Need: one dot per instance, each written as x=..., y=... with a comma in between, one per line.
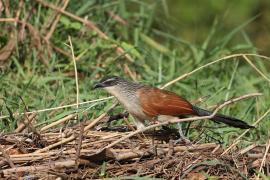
x=7, y=50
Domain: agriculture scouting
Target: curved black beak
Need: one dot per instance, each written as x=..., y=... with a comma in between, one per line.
x=99, y=85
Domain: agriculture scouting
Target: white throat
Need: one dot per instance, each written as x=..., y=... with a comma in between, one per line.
x=113, y=90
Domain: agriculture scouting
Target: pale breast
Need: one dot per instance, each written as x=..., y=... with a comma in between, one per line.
x=130, y=101
x=132, y=105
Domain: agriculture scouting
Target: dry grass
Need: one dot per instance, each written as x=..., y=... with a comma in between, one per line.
x=61, y=149
x=79, y=154
x=28, y=155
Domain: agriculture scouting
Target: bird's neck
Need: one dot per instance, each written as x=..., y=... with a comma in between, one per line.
x=124, y=93
x=114, y=91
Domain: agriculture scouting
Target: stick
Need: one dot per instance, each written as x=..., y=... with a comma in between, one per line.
x=55, y=165
x=50, y=153
x=237, y=140
x=208, y=64
x=79, y=146
x=25, y=121
x=62, y=141
x=264, y=157
x=75, y=71
x=245, y=150
x=131, y=154
x=56, y=20
x=11, y=164
x=62, y=120
x=88, y=24
x=256, y=69
x=59, y=107
x=32, y=157
x=72, y=137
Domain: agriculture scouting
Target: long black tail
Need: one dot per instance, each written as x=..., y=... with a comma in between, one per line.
x=222, y=118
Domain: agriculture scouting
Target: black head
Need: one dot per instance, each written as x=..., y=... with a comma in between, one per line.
x=107, y=82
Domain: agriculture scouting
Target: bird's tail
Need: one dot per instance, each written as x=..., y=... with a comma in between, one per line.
x=222, y=118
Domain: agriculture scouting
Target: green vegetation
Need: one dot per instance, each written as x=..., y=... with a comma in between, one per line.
x=39, y=74
x=44, y=78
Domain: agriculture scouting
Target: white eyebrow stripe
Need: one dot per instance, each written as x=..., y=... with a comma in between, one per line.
x=108, y=80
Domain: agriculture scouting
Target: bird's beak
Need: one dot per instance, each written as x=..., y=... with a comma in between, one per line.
x=99, y=85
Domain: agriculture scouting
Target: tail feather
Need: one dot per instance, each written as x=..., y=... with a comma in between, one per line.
x=234, y=122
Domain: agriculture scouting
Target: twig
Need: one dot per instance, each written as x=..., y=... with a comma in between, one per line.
x=264, y=157
x=50, y=114
x=11, y=164
x=117, y=18
x=30, y=26
x=63, y=141
x=258, y=155
x=8, y=20
x=78, y=151
x=75, y=71
x=216, y=148
x=88, y=24
x=59, y=107
x=245, y=150
x=28, y=124
x=94, y=122
x=237, y=140
x=24, y=122
x=128, y=71
x=177, y=120
x=56, y=20
x=62, y=51
x=209, y=64
x=76, y=75
x=72, y=137
x=51, y=165
x=130, y=154
x=47, y=154
x=18, y=13
x=256, y=69
x=70, y=116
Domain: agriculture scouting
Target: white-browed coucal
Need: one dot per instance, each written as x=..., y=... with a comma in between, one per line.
x=144, y=102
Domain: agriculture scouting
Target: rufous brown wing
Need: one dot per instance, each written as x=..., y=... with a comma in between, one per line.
x=156, y=102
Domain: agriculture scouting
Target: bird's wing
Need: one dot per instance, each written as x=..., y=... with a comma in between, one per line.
x=156, y=102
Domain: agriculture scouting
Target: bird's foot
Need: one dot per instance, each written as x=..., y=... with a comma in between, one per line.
x=183, y=140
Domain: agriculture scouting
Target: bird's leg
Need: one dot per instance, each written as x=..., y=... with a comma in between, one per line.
x=182, y=136
x=139, y=124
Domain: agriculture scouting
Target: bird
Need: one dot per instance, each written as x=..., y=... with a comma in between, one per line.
x=145, y=102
